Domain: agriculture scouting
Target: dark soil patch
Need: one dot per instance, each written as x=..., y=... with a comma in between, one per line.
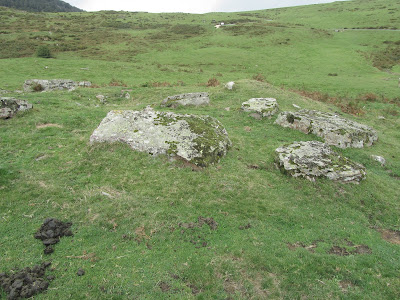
x=391, y=236
x=199, y=241
x=336, y=250
x=165, y=287
x=200, y=222
x=51, y=231
x=362, y=249
x=80, y=272
x=26, y=282
x=248, y=226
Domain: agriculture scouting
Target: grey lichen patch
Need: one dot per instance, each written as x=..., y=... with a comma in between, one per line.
x=265, y=107
x=194, y=99
x=201, y=140
x=334, y=129
x=315, y=159
x=10, y=106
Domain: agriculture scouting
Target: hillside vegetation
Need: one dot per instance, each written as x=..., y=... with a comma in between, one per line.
x=136, y=217
x=40, y=5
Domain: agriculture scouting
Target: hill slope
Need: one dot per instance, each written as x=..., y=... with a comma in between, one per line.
x=40, y=5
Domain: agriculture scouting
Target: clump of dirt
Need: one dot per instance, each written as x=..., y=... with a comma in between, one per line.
x=50, y=232
x=248, y=226
x=200, y=222
x=26, y=282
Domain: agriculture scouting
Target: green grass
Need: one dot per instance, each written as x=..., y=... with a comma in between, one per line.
x=127, y=207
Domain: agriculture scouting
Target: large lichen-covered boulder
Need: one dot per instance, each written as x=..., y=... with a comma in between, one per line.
x=10, y=106
x=201, y=140
x=194, y=99
x=39, y=85
x=334, y=129
x=314, y=159
x=264, y=107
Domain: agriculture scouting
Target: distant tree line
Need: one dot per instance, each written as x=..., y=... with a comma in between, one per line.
x=40, y=5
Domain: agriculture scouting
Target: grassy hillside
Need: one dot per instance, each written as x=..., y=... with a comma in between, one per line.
x=40, y=5
x=276, y=235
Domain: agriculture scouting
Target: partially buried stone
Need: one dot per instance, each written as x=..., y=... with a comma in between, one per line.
x=334, y=129
x=80, y=272
x=315, y=159
x=194, y=99
x=264, y=107
x=10, y=106
x=201, y=140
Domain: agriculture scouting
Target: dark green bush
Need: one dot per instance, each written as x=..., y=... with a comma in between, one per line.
x=43, y=52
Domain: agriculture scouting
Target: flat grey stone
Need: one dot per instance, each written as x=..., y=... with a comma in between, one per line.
x=315, y=159
x=43, y=85
x=201, y=140
x=334, y=129
x=265, y=107
x=10, y=106
x=195, y=99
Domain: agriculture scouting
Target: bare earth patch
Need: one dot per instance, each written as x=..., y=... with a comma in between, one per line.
x=391, y=236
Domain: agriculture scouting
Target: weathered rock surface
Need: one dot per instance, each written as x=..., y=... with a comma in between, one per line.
x=10, y=106
x=230, y=85
x=265, y=107
x=194, y=99
x=201, y=140
x=315, y=159
x=379, y=159
x=38, y=85
x=334, y=129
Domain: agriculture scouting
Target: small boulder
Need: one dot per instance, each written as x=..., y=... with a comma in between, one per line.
x=315, y=159
x=230, y=85
x=201, y=140
x=264, y=107
x=194, y=99
x=334, y=129
x=101, y=98
x=379, y=159
x=10, y=106
x=85, y=84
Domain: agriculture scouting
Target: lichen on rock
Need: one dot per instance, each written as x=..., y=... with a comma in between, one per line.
x=314, y=159
x=194, y=99
x=201, y=140
x=334, y=129
x=9, y=106
x=43, y=85
x=265, y=107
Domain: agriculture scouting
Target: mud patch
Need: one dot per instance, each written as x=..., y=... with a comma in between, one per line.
x=51, y=231
x=26, y=282
x=356, y=249
x=391, y=236
x=200, y=222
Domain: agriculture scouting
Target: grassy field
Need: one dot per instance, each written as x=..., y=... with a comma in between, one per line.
x=277, y=237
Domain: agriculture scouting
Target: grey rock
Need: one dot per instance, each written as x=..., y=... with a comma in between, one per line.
x=230, y=85
x=315, y=159
x=38, y=85
x=201, y=140
x=379, y=159
x=10, y=106
x=265, y=107
x=194, y=99
x=85, y=84
x=102, y=98
x=334, y=129
x=2, y=92
x=296, y=106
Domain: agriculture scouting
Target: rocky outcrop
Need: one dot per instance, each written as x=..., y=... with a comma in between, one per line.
x=201, y=140
x=334, y=129
x=264, y=107
x=194, y=99
x=42, y=85
x=315, y=159
x=10, y=106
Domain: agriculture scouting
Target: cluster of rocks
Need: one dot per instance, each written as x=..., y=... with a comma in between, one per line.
x=39, y=85
x=201, y=140
x=10, y=106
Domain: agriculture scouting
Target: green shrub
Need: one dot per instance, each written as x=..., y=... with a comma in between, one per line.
x=43, y=52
